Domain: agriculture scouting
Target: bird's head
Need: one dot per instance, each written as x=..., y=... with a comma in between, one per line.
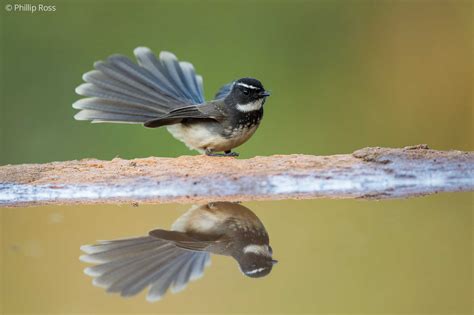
x=248, y=94
x=256, y=261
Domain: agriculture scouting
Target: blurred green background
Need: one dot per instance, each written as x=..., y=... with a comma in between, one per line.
x=343, y=74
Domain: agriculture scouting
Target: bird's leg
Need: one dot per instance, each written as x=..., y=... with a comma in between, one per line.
x=226, y=153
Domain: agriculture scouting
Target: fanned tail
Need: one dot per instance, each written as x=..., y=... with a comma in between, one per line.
x=128, y=266
x=119, y=90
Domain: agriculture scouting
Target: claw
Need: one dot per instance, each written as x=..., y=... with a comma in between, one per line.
x=230, y=153
x=225, y=154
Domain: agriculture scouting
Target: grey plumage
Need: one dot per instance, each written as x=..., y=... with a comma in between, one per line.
x=128, y=266
x=107, y=251
x=122, y=91
x=167, y=92
x=174, y=276
x=169, y=259
x=224, y=91
x=115, y=107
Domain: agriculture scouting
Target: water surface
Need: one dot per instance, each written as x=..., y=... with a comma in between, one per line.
x=334, y=256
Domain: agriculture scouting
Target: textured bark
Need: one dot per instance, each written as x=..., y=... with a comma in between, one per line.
x=369, y=173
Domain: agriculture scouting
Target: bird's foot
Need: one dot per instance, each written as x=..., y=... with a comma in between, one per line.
x=230, y=153
x=226, y=153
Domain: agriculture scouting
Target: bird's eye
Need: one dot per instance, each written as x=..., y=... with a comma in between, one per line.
x=246, y=91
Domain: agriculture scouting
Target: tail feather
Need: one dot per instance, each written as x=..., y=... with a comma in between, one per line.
x=167, y=71
x=115, y=278
x=184, y=275
x=147, y=60
x=155, y=272
x=128, y=266
x=202, y=262
x=137, y=77
x=191, y=81
x=105, y=245
x=140, y=272
x=107, y=273
x=110, y=80
x=122, y=91
x=110, y=106
x=101, y=116
x=124, y=251
x=93, y=90
x=164, y=281
x=173, y=69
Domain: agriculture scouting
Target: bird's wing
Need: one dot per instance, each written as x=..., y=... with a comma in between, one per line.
x=224, y=91
x=120, y=90
x=212, y=110
x=183, y=240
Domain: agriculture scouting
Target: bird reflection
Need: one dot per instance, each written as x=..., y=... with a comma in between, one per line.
x=170, y=259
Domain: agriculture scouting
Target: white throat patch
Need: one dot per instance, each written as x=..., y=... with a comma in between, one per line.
x=258, y=249
x=251, y=272
x=256, y=105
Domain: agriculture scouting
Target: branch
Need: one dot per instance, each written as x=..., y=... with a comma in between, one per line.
x=370, y=173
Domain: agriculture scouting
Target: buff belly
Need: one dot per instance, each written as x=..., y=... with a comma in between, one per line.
x=208, y=136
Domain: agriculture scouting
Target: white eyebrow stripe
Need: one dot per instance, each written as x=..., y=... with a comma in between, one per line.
x=248, y=86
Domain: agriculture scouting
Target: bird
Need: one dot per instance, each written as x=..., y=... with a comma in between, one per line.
x=169, y=259
x=166, y=92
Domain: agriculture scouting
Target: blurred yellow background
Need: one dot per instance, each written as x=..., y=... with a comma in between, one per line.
x=335, y=256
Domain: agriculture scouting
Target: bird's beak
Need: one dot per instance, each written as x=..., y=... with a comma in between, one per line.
x=274, y=262
x=264, y=94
